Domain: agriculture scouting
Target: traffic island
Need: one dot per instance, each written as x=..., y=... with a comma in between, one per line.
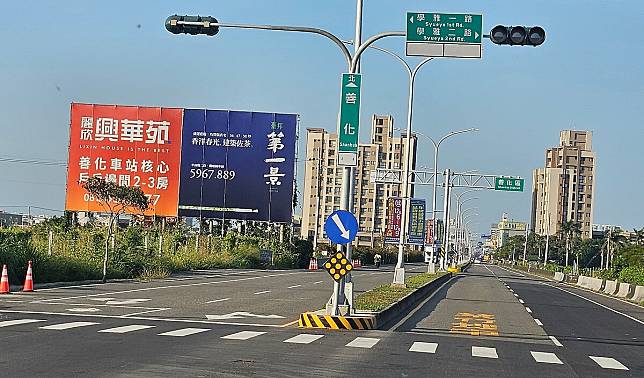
x=388, y=303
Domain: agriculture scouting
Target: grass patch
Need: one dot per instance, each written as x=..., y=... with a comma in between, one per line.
x=381, y=297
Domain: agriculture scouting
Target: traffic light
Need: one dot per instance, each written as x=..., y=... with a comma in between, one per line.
x=192, y=25
x=518, y=35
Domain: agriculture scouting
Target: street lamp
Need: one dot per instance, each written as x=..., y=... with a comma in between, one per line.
x=436, y=149
x=399, y=272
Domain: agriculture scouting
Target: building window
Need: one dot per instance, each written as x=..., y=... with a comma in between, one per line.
x=332, y=143
x=329, y=171
x=380, y=121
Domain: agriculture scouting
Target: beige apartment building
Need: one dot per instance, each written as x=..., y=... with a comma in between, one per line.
x=323, y=180
x=564, y=189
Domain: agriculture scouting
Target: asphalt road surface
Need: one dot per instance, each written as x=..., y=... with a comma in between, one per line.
x=487, y=322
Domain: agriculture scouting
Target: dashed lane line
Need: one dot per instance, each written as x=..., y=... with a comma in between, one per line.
x=294, y=286
x=528, y=310
x=608, y=363
x=262, y=292
x=219, y=300
x=126, y=329
x=546, y=357
x=8, y=323
x=484, y=352
x=146, y=312
x=184, y=332
x=521, y=301
x=64, y=326
x=173, y=286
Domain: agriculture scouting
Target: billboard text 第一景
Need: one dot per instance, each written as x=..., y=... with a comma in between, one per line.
x=129, y=145
x=238, y=165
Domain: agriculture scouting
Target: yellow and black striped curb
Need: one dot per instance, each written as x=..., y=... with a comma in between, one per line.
x=312, y=320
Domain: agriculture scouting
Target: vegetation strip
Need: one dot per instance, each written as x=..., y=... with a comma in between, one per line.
x=381, y=297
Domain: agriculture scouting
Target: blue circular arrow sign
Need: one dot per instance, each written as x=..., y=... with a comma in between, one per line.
x=341, y=227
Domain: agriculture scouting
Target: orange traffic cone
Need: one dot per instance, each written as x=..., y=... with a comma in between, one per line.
x=4, y=282
x=313, y=264
x=29, y=279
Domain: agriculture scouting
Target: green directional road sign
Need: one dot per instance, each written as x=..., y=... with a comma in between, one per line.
x=349, y=123
x=509, y=184
x=453, y=35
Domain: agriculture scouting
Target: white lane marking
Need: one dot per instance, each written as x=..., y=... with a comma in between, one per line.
x=608, y=363
x=294, y=286
x=423, y=347
x=146, y=312
x=528, y=310
x=546, y=357
x=242, y=314
x=521, y=301
x=127, y=301
x=317, y=282
x=538, y=322
x=125, y=329
x=516, y=295
x=511, y=291
x=175, y=286
x=8, y=323
x=184, y=332
x=83, y=309
x=70, y=325
x=597, y=303
x=303, y=338
x=507, y=270
x=243, y=335
x=262, y=292
x=555, y=341
x=219, y=300
x=484, y=352
x=363, y=342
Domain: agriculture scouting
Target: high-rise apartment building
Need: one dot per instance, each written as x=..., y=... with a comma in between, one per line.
x=564, y=189
x=323, y=180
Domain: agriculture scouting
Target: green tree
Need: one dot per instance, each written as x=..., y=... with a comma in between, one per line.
x=116, y=200
x=639, y=236
x=614, y=240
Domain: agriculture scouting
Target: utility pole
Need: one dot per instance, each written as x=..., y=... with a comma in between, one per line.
x=446, y=202
x=525, y=244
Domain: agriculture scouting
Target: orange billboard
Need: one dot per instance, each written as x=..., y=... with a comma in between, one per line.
x=129, y=145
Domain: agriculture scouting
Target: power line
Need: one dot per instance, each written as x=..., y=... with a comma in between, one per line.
x=19, y=160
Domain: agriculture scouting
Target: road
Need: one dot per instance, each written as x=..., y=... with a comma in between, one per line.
x=473, y=326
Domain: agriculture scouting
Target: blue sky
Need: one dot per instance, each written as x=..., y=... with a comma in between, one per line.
x=588, y=75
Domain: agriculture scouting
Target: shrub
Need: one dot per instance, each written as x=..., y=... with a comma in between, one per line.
x=632, y=275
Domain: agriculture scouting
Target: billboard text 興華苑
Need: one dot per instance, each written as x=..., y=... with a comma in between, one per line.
x=238, y=165
x=129, y=145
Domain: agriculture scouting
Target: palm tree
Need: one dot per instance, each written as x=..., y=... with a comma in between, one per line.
x=569, y=230
x=639, y=236
x=613, y=240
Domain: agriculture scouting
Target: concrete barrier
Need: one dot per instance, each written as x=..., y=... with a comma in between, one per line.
x=611, y=287
x=623, y=290
x=638, y=295
x=581, y=281
x=559, y=276
x=596, y=284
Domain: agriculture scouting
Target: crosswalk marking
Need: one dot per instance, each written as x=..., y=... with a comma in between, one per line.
x=243, y=335
x=125, y=329
x=64, y=326
x=484, y=352
x=8, y=323
x=184, y=332
x=303, y=338
x=363, y=342
x=423, y=347
x=546, y=357
x=608, y=363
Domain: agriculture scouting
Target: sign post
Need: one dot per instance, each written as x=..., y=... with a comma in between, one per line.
x=448, y=35
x=509, y=184
x=349, y=122
x=341, y=227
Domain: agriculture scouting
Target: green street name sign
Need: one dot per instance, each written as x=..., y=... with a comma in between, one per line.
x=452, y=35
x=348, y=126
x=509, y=184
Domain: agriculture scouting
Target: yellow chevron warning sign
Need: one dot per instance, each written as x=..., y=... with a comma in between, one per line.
x=338, y=266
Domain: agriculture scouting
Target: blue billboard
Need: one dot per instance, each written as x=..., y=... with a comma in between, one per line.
x=237, y=165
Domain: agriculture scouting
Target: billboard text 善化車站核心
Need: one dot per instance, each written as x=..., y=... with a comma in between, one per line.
x=237, y=165
x=128, y=145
